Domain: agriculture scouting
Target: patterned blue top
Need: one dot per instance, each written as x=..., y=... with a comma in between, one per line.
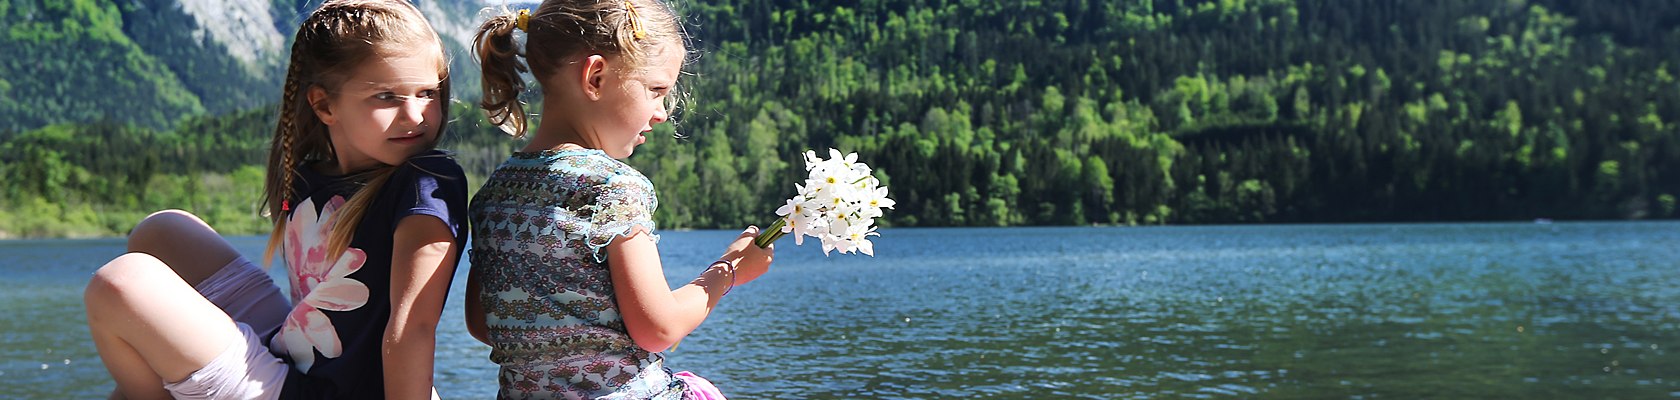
x=540, y=227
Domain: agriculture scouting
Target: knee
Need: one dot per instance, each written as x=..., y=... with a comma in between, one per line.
x=161, y=227
x=115, y=284
x=163, y=222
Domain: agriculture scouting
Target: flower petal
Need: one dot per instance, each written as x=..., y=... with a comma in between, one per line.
x=342, y=294
x=320, y=332
x=348, y=263
x=295, y=343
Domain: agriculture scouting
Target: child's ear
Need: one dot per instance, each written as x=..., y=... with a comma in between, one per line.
x=594, y=76
x=318, y=101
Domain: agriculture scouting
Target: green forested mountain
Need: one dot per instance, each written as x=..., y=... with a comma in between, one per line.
x=1078, y=111
x=154, y=62
x=70, y=61
x=1042, y=112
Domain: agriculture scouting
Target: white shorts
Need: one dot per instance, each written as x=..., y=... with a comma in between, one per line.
x=245, y=370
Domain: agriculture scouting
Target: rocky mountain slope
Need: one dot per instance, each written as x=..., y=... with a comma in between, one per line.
x=154, y=62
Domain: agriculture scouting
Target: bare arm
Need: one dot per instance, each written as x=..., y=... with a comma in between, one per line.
x=658, y=316
x=477, y=326
x=421, y=267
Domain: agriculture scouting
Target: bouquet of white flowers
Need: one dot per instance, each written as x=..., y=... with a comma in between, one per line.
x=837, y=204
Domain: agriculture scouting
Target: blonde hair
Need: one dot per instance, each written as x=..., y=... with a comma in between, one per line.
x=628, y=29
x=331, y=42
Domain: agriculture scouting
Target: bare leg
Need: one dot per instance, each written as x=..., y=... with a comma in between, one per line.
x=184, y=243
x=148, y=322
x=151, y=327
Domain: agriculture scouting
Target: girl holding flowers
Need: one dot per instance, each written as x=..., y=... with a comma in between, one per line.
x=566, y=284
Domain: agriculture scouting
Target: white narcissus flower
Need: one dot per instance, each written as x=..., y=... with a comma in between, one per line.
x=874, y=202
x=811, y=159
x=797, y=219
x=860, y=238
x=837, y=204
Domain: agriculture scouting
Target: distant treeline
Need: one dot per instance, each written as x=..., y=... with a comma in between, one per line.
x=99, y=179
x=1072, y=112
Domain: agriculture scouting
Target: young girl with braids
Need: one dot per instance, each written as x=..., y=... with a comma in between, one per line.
x=369, y=219
x=566, y=284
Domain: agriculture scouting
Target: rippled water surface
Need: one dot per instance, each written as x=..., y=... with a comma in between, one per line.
x=1568, y=310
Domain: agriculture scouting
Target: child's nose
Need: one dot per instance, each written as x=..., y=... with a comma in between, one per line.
x=660, y=114
x=414, y=109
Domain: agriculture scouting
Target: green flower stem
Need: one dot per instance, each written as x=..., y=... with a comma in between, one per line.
x=769, y=235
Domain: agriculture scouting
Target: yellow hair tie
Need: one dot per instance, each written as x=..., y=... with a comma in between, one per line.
x=635, y=21
x=524, y=20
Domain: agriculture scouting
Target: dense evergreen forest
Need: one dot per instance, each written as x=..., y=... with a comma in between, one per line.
x=1055, y=112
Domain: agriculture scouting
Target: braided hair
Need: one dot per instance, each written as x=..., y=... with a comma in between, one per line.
x=331, y=42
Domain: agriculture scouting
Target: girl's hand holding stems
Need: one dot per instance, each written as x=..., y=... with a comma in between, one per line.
x=658, y=317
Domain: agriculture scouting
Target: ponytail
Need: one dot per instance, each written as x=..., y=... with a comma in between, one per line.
x=497, y=53
x=558, y=29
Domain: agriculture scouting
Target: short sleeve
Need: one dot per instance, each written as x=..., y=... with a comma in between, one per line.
x=434, y=185
x=623, y=204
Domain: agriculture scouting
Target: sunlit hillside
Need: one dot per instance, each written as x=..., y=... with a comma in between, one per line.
x=975, y=113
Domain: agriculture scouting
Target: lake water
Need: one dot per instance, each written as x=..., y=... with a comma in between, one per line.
x=1567, y=310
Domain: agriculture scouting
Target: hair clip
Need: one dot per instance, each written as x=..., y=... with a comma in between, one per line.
x=523, y=22
x=635, y=21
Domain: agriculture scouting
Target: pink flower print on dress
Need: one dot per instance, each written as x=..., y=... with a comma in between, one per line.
x=317, y=284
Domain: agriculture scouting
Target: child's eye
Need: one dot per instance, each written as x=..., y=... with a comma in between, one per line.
x=429, y=93
x=385, y=96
